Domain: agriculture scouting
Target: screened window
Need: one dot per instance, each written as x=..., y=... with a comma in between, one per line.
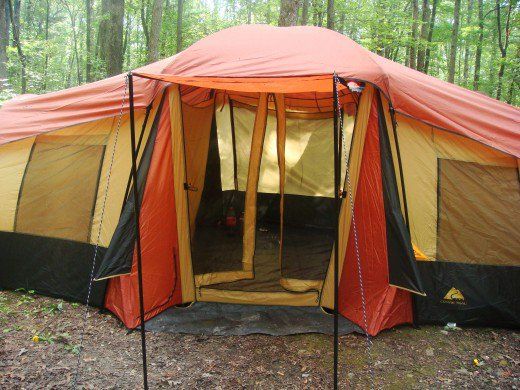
x=58, y=191
x=478, y=213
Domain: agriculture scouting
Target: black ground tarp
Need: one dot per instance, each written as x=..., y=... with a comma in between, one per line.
x=221, y=319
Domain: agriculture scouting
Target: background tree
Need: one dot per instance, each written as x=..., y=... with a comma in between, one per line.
x=288, y=13
x=110, y=38
x=454, y=41
x=4, y=42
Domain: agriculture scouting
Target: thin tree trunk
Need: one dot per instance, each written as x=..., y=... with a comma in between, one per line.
x=18, y=44
x=180, y=6
x=453, y=43
x=288, y=12
x=421, y=52
x=144, y=23
x=466, y=49
x=514, y=79
x=88, y=40
x=478, y=53
x=430, y=36
x=16, y=14
x=46, y=63
x=72, y=16
x=4, y=42
x=503, y=44
x=330, y=14
x=111, y=35
x=413, y=44
x=155, y=30
x=305, y=13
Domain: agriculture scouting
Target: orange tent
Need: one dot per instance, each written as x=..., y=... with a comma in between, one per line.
x=245, y=119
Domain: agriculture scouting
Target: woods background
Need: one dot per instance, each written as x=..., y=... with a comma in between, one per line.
x=47, y=45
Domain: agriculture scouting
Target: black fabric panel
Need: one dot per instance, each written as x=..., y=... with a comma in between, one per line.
x=489, y=295
x=401, y=259
x=118, y=258
x=49, y=266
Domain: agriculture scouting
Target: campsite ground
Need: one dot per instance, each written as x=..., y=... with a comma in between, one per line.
x=402, y=358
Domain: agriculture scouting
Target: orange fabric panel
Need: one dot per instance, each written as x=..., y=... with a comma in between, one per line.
x=160, y=257
x=242, y=59
x=261, y=58
x=386, y=306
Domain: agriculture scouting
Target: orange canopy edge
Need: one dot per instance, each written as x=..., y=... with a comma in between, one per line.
x=260, y=58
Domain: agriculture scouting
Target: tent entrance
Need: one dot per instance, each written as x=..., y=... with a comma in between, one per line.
x=256, y=238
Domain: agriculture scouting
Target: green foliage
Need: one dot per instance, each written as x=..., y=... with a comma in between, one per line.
x=383, y=26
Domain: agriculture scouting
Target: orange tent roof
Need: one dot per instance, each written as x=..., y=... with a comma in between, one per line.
x=259, y=58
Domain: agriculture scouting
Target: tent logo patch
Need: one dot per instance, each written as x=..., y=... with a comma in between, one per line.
x=454, y=297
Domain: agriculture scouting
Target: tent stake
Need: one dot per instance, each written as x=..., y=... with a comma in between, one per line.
x=336, y=249
x=137, y=235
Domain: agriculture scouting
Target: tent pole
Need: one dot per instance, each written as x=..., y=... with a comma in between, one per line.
x=337, y=170
x=137, y=234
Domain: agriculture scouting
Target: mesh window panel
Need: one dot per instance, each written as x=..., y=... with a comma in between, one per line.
x=217, y=236
x=478, y=213
x=308, y=236
x=308, y=219
x=58, y=192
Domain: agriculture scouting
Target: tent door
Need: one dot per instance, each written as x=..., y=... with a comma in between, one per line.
x=247, y=235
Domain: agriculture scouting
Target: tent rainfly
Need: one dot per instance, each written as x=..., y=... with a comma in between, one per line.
x=242, y=188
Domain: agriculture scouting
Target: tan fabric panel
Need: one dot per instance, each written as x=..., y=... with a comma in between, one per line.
x=299, y=285
x=59, y=188
x=197, y=128
x=252, y=183
x=419, y=160
x=255, y=298
x=222, y=277
x=13, y=160
x=120, y=171
x=181, y=198
x=420, y=147
x=306, y=141
x=345, y=217
x=479, y=213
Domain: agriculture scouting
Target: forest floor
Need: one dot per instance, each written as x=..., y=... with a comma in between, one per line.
x=402, y=358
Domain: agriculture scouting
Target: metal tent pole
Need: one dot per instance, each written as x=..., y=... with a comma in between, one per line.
x=137, y=234
x=337, y=173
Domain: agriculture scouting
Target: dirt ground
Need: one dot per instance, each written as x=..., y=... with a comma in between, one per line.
x=402, y=358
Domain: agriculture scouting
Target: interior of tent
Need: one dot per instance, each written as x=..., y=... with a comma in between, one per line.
x=260, y=180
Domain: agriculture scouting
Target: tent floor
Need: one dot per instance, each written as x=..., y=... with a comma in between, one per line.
x=306, y=255
x=221, y=319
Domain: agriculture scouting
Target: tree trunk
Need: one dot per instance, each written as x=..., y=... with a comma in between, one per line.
x=421, y=53
x=514, y=79
x=330, y=14
x=4, y=42
x=478, y=53
x=16, y=13
x=111, y=36
x=88, y=40
x=18, y=44
x=144, y=23
x=430, y=36
x=413, y=44
x=466, y=49
x=305, y=13
x=155, y=31
x=453, y=44
x=288, y=12
x=503, y=44
x=180, y=6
